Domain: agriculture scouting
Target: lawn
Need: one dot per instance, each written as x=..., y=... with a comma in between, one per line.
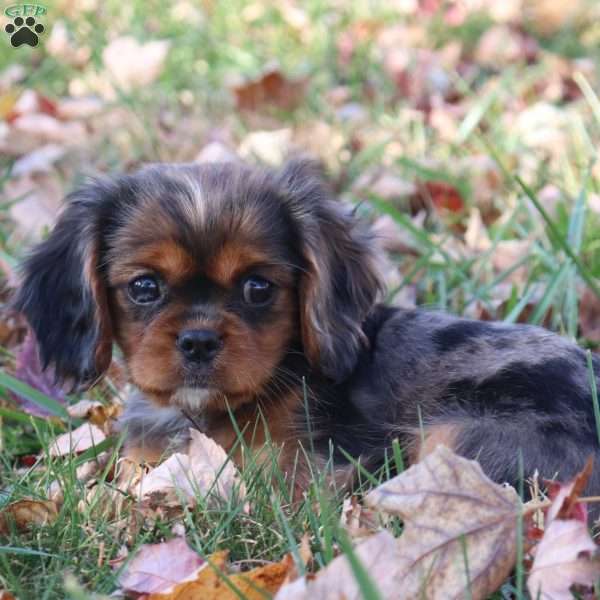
x=465, y=132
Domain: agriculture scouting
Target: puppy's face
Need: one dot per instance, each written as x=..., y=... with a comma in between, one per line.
x=202, y=287
x=207, y=277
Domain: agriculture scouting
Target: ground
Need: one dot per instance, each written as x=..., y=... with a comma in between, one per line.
x=466, y=132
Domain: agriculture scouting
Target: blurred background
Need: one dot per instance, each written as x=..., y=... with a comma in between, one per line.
x=466, y=131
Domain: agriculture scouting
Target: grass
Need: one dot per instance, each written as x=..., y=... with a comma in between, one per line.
x=493, y=159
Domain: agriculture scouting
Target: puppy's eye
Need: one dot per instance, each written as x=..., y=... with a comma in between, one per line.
x=144, y=289
x=257, y=290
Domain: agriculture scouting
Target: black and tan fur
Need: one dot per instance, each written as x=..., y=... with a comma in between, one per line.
x=372, y=373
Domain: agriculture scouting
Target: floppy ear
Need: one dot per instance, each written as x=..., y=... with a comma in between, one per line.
x=63, y=296
x=340, y=281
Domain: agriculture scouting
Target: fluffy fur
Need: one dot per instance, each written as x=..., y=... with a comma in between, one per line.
x=368, y=373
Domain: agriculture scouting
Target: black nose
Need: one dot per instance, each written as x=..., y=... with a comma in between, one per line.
x=200, y=345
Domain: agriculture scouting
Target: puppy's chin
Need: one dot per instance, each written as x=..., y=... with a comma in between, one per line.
x=193, y=399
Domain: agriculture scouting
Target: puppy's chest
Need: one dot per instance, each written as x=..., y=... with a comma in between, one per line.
x=256, y=431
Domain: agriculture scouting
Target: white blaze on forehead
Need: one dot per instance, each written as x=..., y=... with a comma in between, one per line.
x=192, y=398
x=196, y=209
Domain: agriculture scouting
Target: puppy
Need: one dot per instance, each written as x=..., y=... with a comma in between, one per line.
x=248, y=296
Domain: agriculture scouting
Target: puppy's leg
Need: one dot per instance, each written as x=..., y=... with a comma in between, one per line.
x=151, y=432
x=432, y=436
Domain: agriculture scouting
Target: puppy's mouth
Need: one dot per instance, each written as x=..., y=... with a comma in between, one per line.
x=192, y=398
x=197, y=381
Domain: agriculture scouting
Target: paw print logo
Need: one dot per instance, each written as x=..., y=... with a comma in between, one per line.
x=24, y=31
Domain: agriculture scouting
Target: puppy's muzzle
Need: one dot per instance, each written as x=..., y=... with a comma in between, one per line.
x=199, y=345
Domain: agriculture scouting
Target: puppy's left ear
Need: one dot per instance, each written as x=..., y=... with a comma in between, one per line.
x=340, y=281
x=63, y=296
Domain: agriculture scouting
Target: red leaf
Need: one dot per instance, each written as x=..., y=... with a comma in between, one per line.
x=443, y=195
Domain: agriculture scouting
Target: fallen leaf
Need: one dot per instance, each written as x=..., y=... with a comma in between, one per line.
x=589, y=315
x=498, y=47
x=13, y=326
x=95, y=412
x=251, y=585
x=506, y=254
x=453, y=515
x=134, y=65
x=60, y=45
x=442, y=195
x=386, y=185
x=40, y=159
x=476, y=235
x=172, y=571
x=79, y=108
x=5, y=595
x=27, y=512
x=566, y=556
x=216, y=152
x=158, y=568
x=29, y=370
x=84, y=437
x=564, y=496
x=31, y=130
x=205, y=468
x=270, y=147
x=358, y=521
x=271, y=88
x=380, y=558
x=84, y=473
x=394, y=238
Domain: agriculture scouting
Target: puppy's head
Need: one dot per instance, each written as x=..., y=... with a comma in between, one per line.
x=205, y=276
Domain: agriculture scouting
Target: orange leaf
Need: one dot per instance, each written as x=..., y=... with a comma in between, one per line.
x=213, y=583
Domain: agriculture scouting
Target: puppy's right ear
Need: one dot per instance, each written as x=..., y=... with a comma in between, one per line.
x=63, y=294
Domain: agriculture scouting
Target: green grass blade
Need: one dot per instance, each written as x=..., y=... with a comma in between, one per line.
x=594, y=388
x=33, y=395
x=585, y=274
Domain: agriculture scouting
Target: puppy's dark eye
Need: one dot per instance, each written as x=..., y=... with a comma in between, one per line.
x=257, y=290
x=144, y=289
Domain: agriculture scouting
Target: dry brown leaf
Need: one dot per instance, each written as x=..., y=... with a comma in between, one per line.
x=26, y=513
x=84, y=437
x=39, y=160
x=270, y=147
x=499, y=46
x=131, y=64
x=476, y=235
x=379, y=556
x=589, y=316
x=251, y=585
x=452, y=512
x=205, y=468
x=93, y=411
x=4, y=595
x=84, y=473
x=565, y=496
x=357, y=520
x=506, y=254
x=39, y=198
x=442, y=195
x=158, y=568
x=272, y=88
x=566, y=556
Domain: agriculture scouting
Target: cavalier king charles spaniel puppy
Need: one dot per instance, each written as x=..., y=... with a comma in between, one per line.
x=247, y=300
